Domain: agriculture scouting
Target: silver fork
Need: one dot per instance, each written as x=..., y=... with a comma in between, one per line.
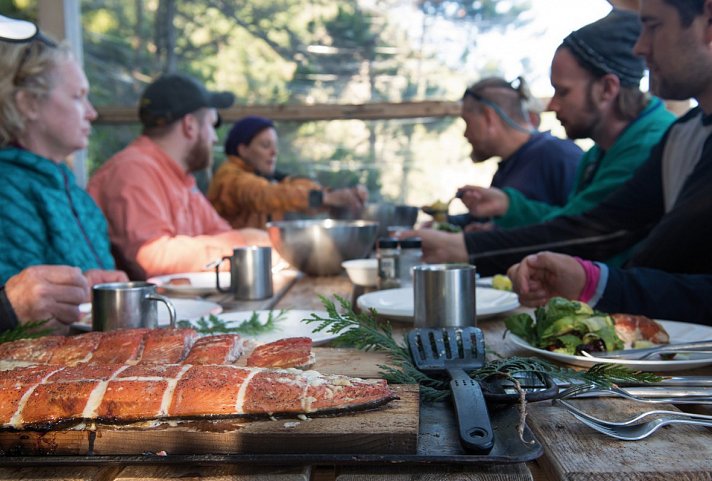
x=581, y=389
x=681, y=414
x=631, y=432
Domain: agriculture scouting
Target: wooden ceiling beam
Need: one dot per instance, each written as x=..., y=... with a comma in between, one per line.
x=371, y=111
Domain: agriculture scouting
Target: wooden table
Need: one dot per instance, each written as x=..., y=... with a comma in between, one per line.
x=572, y=451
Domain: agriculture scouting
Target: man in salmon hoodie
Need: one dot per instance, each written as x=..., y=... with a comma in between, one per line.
x=159, y=222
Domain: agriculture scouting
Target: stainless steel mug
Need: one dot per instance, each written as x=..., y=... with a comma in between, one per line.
x=250, y=273
x=444, y=295
x=120, y=305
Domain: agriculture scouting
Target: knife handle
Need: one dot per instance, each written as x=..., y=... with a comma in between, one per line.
x=472, y=416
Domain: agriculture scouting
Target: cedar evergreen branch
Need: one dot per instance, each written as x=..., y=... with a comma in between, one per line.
x=363, y=331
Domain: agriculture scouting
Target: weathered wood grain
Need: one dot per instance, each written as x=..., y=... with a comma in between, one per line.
x=507, y=472
x=576, y=452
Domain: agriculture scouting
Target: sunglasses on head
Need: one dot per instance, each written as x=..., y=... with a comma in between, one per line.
x=516, y=85
x=21, y=31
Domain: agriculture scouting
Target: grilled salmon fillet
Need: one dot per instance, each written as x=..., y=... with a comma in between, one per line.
x=219, y=349
x=156, y=346
x=291, y=352
x=41, y=397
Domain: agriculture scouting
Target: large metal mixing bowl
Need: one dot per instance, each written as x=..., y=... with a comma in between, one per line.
x=390, y=215
x=318, y=247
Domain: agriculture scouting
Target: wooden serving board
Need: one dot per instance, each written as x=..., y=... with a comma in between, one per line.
x=390, y=429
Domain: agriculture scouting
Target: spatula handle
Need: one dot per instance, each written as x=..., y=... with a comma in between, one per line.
x=472, y=416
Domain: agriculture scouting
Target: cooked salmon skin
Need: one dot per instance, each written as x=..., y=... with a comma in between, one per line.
x=212, y=388
x=167, y=346
x=75, y=349
x=157, y=346
x=56, y=402
x=31, y=350
x=119, y=347
x=219, y=349
x=16, y=383
x=40, y=397
x=289, y=352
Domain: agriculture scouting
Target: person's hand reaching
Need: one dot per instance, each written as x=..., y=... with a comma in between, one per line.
x=48, y=293
x=539, y=277
x=99, y=276
x=484, y=202
x=351, y=198
x=439, y=247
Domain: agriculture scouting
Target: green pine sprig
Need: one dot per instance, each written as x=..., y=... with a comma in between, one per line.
x=250, y=327
x=599, y=375
x=364, y=331
x=29, y=330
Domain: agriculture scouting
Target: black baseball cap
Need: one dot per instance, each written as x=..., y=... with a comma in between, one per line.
x=173, y=96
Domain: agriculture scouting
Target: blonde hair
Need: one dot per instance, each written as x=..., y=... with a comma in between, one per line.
x=29, y=67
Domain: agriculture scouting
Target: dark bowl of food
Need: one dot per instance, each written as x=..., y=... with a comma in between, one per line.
x=390, y=215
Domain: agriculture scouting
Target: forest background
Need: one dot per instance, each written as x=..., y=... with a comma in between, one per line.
x=277, y=52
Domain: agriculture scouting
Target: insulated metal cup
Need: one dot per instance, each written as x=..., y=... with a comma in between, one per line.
x=250, y=273
x=122, y=305
x=444, y=295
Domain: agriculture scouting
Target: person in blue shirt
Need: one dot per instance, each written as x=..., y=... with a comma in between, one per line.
x=669, y=199
x=641, y=291
x=45, y=117
x=46, y=218
x=497, y=124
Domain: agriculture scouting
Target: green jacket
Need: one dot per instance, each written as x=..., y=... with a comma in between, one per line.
x=46, y=218
x=616, y=166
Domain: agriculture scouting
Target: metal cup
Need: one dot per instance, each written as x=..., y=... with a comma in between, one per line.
x=444, y=295
x=121, y=305
x=250, y=273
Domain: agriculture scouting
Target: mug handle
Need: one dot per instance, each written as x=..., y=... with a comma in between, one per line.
x=217, y=273
x=169, y=305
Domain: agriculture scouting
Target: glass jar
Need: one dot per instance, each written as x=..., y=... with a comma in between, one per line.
x=388, y=255
x=411, y=254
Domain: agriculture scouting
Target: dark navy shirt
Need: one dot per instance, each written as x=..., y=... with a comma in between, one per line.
x=543, y=169
x=8, y=319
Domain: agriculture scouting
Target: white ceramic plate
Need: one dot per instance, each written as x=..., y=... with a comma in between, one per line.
x=679, y=332
x=186, y=310
x=200, y=283
x=398, y=303
x=290, y=325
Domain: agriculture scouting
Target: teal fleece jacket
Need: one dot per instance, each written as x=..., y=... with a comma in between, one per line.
x=46, y=218
x=616, y=166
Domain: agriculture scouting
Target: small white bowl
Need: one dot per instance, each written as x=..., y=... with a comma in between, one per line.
x=362, y=272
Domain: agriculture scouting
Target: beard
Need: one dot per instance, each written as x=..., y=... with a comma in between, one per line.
x=674, y=89
x=200, y=155
x=589, y=118
x=580, y=130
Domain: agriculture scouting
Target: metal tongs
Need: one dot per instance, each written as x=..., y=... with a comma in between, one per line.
x=697, y=347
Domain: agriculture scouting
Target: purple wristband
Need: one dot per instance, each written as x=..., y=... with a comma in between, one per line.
x=593, y=274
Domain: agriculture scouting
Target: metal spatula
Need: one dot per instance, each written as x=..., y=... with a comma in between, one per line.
x=454, y=351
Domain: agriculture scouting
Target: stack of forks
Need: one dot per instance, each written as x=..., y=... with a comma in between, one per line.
x=635, y=428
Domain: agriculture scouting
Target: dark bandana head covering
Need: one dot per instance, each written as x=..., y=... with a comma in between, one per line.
x=606, y=46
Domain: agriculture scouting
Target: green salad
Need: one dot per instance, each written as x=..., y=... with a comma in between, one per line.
x=446, y=227
x=566, y=326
